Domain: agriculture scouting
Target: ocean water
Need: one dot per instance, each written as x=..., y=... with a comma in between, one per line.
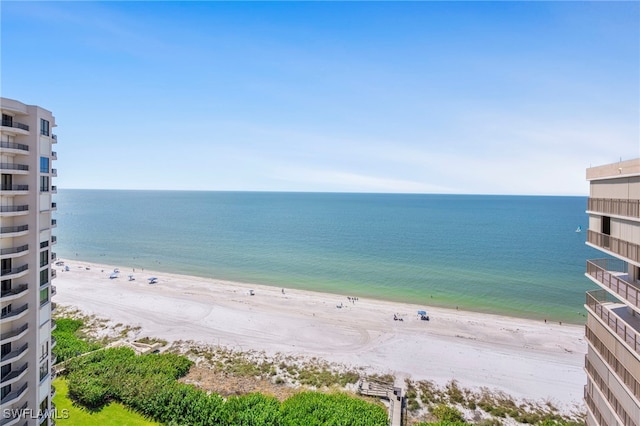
x=513, y=255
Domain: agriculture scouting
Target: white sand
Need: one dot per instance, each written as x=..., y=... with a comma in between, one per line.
x=524, y=358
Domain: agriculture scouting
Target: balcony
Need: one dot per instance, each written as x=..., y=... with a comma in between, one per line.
x=54, y=206
x=13, y=148
x=54, y=223
x=615, y=245
x=14, y=231
x=612, y=274
x=54, y=172
x=616, y=316
x=53, y=306
x=15, y=314
x=54, y=342
x=54, y=189
x=53, y=290
x=14, y=375
x=6, y=211
x=15, y=417
x=12, y=273
x=16, y=334
x=53, y=273
x=53, y=324
x=54, y=138
x=15, y=189
x=14, y=355
x=13, y=167
x=53, y=359
x=15, y=127
x=54, y=239
x=11, y=252
x=15, y=396
x=616, y=207
x=14, y=292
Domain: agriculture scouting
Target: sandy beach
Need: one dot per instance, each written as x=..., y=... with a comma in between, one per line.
x=526, y=359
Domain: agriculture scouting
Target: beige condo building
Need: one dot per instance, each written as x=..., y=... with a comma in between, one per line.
x=612, y=363
x=26, y=253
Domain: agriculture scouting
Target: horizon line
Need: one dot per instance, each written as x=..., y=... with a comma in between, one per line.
x=327, y=192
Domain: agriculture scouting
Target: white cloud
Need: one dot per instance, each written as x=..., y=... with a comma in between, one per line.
x=347, y=181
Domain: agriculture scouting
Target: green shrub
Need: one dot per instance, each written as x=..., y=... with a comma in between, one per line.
x=69, y=343
x=455, y=393
x=318, y=409
x=88, y=391
x=253, y=410
x=413, y=404
x=446, y=413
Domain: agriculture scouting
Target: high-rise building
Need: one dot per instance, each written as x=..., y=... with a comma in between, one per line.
x=612, y=364
x=26, y=253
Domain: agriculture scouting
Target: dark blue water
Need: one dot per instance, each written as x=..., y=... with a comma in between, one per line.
x=515, y=255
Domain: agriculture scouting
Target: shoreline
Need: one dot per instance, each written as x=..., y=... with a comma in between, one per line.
x=527, y=359
x=577, y=318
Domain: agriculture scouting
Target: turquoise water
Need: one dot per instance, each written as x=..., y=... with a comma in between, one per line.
x=514, y=255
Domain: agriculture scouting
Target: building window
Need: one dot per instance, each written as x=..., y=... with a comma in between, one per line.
x=44, y=164
x=6, y=390
x=44, y=350
x=44, y=183
x=44, y=258
x=44, y=296
x=44, y=406
x=7, y=120
x=44, y=244
x=5, y=349
x=606, y=231
x=5, y=369
x=7, y=181
x=44, y=277
x=6, y=311
x=44, y=370
x=44, y=127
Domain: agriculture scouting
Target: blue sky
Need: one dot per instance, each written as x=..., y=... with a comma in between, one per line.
x=426, y=97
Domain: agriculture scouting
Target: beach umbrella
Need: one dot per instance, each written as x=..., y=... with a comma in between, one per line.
x=422, y=312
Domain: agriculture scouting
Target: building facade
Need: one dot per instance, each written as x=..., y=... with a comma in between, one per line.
x=612, y=363
x=26, y=253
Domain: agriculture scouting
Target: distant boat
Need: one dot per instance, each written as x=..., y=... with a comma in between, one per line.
x=579, y=229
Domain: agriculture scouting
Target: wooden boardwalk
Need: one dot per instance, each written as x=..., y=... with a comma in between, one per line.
x=386, y=391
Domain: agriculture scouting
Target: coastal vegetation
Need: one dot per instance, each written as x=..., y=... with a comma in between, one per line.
x=70, y=413
x=195, y=383
x=484, y=407
x=70, y=341
x=148, y=384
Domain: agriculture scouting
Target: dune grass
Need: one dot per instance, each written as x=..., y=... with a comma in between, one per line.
x=114, y=414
